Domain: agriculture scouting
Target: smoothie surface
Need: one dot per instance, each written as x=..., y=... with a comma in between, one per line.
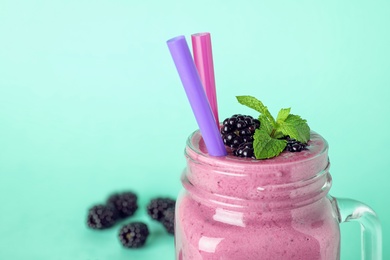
x=286, y=168
x=316, y=145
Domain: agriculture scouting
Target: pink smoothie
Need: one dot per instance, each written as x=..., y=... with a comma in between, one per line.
x=236, y=208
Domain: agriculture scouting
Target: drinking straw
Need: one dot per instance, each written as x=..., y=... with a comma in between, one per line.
x=203, y=56
x=196, y=96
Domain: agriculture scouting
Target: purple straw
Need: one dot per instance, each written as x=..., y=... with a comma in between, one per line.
x=195, y=93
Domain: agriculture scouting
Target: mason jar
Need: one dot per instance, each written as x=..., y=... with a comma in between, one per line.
x=235, y=208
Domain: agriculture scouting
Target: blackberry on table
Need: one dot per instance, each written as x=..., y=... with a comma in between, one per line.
x=102, y=216
x=158, y=206
x=168, y=220
x=125, y=203
x=294, y=145
x=133, y=235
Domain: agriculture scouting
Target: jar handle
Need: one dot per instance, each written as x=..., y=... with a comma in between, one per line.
x=371, y=232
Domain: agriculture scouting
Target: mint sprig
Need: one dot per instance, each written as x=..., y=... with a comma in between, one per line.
x=295, y=127
x=265, y=146
x=257, y=105
x=267, y=139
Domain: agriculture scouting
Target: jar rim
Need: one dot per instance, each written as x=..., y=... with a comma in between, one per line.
x=196, y=150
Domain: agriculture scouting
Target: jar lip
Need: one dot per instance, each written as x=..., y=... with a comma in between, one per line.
x=197, y=151
x=274, y=197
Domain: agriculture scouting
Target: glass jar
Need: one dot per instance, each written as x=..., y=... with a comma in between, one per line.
x=238, y=208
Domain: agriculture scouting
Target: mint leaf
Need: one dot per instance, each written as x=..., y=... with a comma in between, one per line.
x=266, y=147
x=277, y=134
x=265, y=124
x=282, y=115
x=257, y=105
x=295, y=127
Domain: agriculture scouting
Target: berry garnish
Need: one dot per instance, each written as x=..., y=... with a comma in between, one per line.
x=245, y=150
x=158, y=206
x=125, y=203
x=294, y=145
x=133, y=235
x=168, y=220
x=102, y=216
x=238, y=129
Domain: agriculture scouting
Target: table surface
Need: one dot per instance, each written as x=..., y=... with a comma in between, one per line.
x=91, y=103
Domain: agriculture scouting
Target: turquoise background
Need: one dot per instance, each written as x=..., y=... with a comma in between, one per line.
x=91, y=103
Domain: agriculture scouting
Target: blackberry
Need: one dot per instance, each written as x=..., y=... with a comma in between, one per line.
x=238, y=129
x=245, y=150
x=102, y=216
x=237, y=132
x=158, y=206
x=294, y=145
x=125, y=203
x=168, y=220
x=133, y=235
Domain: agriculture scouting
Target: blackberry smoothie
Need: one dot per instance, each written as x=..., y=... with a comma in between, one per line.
x=241, y=208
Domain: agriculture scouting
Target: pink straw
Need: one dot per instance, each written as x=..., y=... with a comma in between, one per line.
x=193, y=87
x=203, y=56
